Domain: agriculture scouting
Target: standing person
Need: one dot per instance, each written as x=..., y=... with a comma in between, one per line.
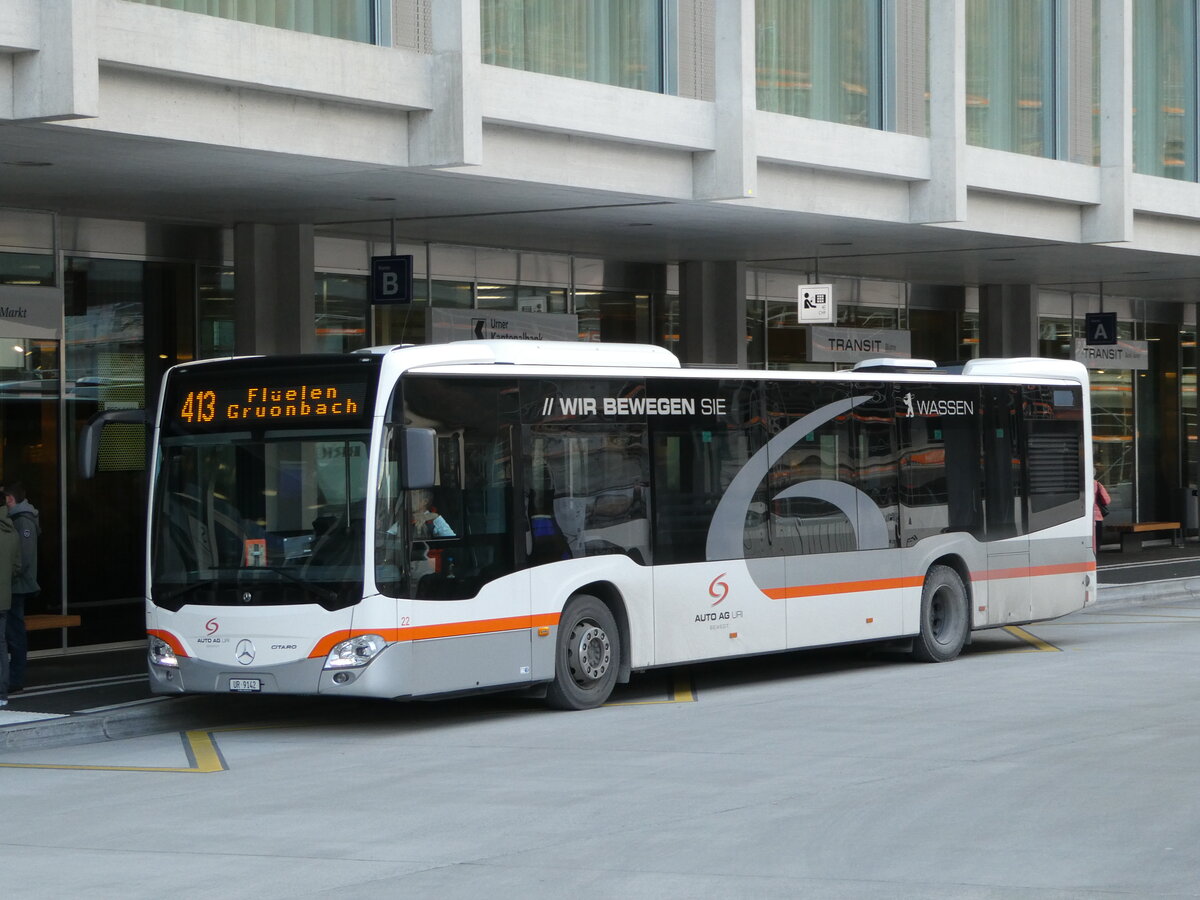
x=10, y=554
x=1100, y=502
x=24, y=519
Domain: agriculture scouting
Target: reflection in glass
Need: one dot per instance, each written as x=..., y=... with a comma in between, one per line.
x=260, y=521
x=349, y=19
x=214, y=312
x=1164, y=88
x=820, y=59
x=341, y=312
x=1010, y=75
x=617, y=42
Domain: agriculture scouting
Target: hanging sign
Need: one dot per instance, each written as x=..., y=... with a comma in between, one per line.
x=1101, y=328
x=815, y=304
x=391, y=279
x=1122, y=355
x=856, y=344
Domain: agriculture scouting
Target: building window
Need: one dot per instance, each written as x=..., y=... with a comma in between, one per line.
x=351, y=20
x=820, y=60
x=1011, y=75
x=1164, y=88
x=341, y=312
x=619, y=42
x=214, y=312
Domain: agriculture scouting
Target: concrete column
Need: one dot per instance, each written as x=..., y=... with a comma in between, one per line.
x=451, y=134
x=1008, y=320
x=1112, y=219
x=943, y=198
x=54, y=73
x=274, y=289
x=730, y=171
x=712, y=313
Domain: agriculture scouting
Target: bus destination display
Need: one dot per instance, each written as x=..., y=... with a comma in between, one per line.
x=272, y=402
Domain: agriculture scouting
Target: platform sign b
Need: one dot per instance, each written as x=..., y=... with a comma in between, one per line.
x=391, y=279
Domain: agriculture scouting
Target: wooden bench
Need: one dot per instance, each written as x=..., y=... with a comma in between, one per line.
x=46, y=622
x=1131, y=533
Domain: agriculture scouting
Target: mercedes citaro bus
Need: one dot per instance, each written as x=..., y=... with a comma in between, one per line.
x=407, y=522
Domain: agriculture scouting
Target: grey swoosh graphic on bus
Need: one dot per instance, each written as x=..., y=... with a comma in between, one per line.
x=725, y=530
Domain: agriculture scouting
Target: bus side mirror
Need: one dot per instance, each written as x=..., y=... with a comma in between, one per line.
x=420, y=458
x=89, y=440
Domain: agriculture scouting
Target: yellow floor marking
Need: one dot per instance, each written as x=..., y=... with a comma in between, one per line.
x=1036, y=642
x=202, y=750
x=682, y=691
x=199, y=745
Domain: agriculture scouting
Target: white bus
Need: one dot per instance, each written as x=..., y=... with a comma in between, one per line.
x=408, y=522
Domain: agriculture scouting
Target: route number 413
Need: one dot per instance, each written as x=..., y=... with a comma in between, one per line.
x=199, y=406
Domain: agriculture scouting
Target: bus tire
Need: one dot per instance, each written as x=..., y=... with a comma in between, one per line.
x=587, y=656
x=945, y=620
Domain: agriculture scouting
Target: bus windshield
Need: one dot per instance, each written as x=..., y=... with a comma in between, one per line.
x=262, y=519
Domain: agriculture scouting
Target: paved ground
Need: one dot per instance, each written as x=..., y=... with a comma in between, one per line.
x=1053, y=762
x=99, y=696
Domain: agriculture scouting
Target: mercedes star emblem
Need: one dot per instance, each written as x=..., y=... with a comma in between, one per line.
x=245, y=652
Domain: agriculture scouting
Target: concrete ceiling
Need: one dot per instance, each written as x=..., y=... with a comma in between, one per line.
x=97, y=174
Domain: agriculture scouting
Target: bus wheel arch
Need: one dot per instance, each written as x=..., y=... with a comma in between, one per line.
x=945, y=623
x=587, y=654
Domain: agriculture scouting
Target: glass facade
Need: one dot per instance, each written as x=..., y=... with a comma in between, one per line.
x=349, y=19
x=1011, y=75
x=1164, y=88
x=820, y=59
x=618, y=42
x=105, y=363
x=341, y=312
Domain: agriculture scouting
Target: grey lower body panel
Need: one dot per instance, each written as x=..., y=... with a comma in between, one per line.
x=388, y=675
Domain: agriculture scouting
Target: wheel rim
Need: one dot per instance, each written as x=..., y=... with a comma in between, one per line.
x=942, y=615
x=590, y=653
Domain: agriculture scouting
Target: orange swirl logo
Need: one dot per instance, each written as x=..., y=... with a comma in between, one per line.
x=719, y=589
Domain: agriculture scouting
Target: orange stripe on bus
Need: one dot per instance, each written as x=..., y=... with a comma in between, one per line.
x=883, y=584
x=1034, y=571
x=169, y=639
x=844, y=587
x=431, y=632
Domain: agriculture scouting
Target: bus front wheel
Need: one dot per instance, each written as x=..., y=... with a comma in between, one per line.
x=587, y=656
x=945, y=620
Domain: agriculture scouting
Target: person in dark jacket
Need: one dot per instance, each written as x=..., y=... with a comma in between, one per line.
x=10, y=554
x=24, y=519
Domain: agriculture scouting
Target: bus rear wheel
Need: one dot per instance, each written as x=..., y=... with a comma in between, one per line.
x=945, y=621
x=587, y=656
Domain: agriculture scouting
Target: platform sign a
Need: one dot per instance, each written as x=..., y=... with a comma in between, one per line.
x=815, y=304
x=1100, y=328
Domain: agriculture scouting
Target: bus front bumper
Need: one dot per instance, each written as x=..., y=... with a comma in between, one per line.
x=386, y=675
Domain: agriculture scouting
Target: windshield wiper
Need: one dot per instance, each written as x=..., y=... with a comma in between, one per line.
x=321, y=593
x=186, y=589
x=315, y=590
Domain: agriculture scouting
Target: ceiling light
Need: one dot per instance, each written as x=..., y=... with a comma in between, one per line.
x=28, y=163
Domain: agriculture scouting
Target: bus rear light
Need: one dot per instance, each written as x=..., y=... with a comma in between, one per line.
x=358, y=651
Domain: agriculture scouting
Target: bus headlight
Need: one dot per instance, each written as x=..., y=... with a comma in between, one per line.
x=358, y=651
x=161, y=653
